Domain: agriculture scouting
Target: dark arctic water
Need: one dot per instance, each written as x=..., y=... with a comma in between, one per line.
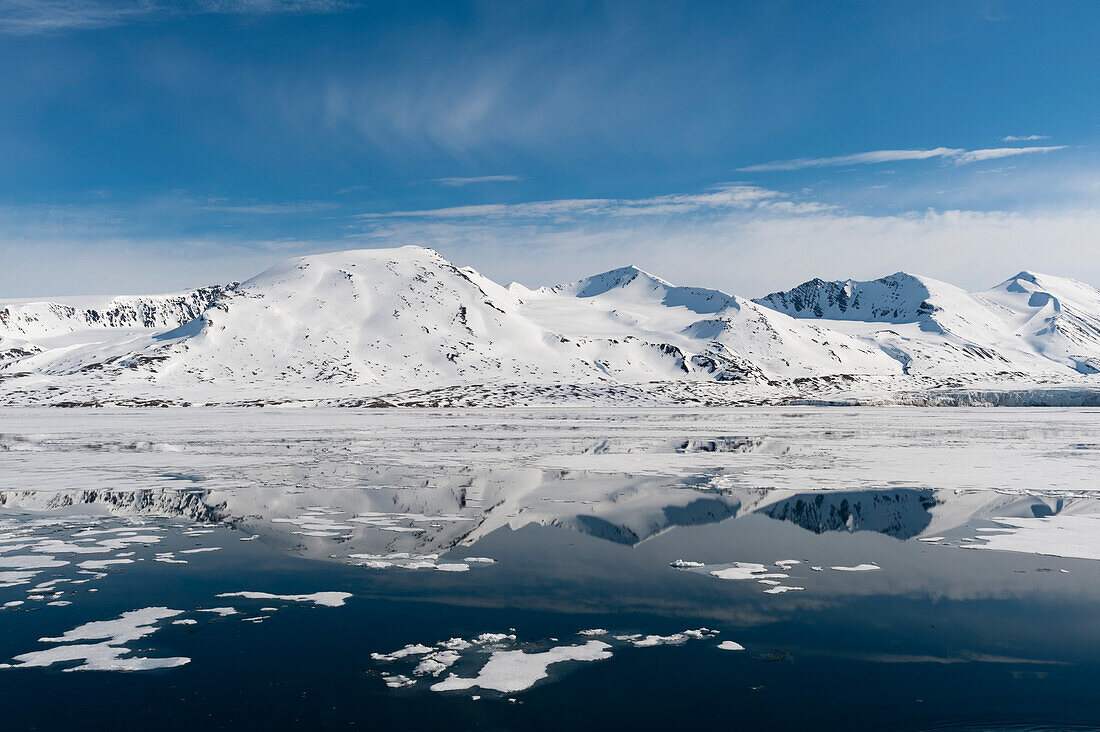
x=940, y=635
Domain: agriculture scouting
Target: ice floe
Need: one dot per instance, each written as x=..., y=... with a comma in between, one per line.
x=110, y=653
x=103, y=563
x=328, y=599
x=512, y=671
x=414, y=649
x=675, y=639
x=436, y=663
x=857, y=568
x=728, y=645
x=498, y=662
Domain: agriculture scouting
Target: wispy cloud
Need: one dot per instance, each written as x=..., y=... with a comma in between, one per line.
x=35, y=17
x=1024, y=138
x=267, y=209
x=975, y=156
x=739, y=238
x=875, y=156
x=460, y=182
x=730, y=196
x=960, y=156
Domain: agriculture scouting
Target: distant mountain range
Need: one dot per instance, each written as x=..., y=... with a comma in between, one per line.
x=406, y=327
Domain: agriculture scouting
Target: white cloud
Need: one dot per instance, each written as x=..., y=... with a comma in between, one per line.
x=958, y=155
x=729, y=196
x=459, y=182
x=291, y=207
x=34, y=17
x=875, y=156
x=752, y=252
x=743, y=239
x=995, y=153
x=1024, y=138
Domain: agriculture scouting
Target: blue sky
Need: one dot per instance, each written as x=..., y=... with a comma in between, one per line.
x=151, y=146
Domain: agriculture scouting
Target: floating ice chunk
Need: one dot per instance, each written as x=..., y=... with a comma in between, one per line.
x=201, y=550
x=13, y=579
x=436, y=663
x=59, y=603
x=397, y=681
x=12, y=548
x=56, y=546
x=673, y=640
x=454, y=644
x=222, y=611
x=375, y=563
x=858, y=568
x=728, y=645
x=787, y=563
x=511, y=671
x=103, y=563
x=106, y=655
x=95, y=657
x=746, y=571
x=783, y=588
x=493, y=638
x=931, y=538
x=413, y=649
x=592, y=632
x=328, y=599
x=479, y=560
x=185, y=621
x=13, y=603
x=250, y=538
x=30, y=561
x=129, y=626
x=684, y=564
x=455, y=567
x=817, y=568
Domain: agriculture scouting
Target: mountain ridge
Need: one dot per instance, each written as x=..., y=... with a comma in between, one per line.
x=368, y=323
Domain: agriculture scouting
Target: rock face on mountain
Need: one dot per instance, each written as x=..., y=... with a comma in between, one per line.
x=367, y=325
x=31, y=319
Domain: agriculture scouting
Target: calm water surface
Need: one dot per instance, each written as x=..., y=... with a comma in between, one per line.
x=882, y=569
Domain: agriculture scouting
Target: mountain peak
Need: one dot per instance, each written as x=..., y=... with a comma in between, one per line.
x=612, y=279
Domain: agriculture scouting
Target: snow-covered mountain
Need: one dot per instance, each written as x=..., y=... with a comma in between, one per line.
x=1031, y=323
x=32, y=326
x=380, y=326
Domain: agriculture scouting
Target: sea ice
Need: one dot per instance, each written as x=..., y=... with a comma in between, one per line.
x=858, y=568
x=328, y=599
x=436, y=663
x=413, y=649
x=511, y=671
x=110, y=654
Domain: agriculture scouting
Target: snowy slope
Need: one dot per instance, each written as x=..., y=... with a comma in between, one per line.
x=1056, y=317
